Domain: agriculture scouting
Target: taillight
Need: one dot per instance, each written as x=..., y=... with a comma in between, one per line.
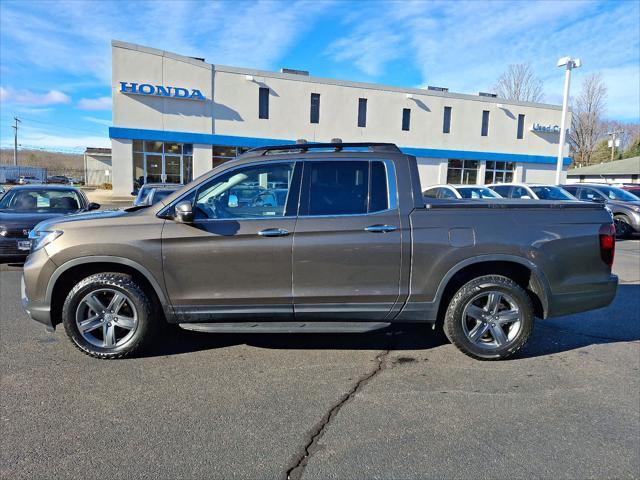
x=607, y=235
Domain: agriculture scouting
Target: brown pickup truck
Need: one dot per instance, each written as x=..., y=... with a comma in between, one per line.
x=318, y=237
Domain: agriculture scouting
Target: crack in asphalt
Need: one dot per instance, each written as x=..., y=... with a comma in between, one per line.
x=299, y=464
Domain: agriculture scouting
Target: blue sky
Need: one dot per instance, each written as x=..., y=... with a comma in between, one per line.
x=55, y=57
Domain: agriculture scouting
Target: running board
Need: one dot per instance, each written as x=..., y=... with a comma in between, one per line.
x=285, y=327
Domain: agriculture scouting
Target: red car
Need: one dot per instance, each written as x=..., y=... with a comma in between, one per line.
x=632, y=188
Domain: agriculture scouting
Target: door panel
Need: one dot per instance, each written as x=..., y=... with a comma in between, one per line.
x=228, y=262
x=346, y=261
x=339, y=266
x=235, y=259
x=153, y=168
x=172, y=169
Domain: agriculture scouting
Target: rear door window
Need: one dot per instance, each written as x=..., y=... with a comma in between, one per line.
x=345, y=187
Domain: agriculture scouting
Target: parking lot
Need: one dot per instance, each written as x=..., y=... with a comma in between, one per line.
x=401, y=403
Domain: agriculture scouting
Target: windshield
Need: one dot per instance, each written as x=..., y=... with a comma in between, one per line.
x=41, y=201
x=549, y=192
x=477, y=192
x=615, y=193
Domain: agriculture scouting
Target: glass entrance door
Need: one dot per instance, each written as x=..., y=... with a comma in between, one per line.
x=172, y=169
x=153, y=168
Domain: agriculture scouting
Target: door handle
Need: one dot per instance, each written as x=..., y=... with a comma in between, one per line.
x=381, y=228
x=273, y=232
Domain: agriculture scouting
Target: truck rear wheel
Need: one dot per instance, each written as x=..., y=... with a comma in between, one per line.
x=107, y=315
x=489, y=318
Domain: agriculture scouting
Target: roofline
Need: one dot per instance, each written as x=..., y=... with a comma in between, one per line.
x=328, y=81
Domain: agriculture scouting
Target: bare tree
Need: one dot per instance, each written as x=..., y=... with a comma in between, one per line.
x=519, y=83
x=588, y=127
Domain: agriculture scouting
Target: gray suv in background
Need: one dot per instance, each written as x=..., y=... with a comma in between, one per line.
x=317, y=238
x=624, y=206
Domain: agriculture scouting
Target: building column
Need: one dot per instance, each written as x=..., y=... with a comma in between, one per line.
x=481, y=171
x=518, y=175
x=201, y=159
x=122, y=167
x=442, y=171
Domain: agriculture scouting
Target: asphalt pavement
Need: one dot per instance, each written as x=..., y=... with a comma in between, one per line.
x=397, y=404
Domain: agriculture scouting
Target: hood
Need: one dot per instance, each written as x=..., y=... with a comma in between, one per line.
x=635, y=203
x=25, y=220
x=79, y=217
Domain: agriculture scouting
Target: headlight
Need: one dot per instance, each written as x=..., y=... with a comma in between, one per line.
x=3, y=231
x=42, y=238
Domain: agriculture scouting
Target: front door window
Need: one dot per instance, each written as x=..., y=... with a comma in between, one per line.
x=161, y=162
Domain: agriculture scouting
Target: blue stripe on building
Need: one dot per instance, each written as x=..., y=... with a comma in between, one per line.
x=232, y=141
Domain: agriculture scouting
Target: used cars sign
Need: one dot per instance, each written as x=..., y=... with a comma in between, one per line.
x=160, y=91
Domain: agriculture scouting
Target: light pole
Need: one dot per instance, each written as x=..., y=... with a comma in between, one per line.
x=614, y=140
x=570, y=64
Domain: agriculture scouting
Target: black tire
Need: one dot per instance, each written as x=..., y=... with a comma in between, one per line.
x=140, y=304
x=457, y=328
x=623, y=227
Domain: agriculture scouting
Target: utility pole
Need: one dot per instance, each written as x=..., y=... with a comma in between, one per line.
x=613, y=141
x=15, y=141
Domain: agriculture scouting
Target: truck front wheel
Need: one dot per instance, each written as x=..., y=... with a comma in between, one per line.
x=489, y=318
x=107, y=315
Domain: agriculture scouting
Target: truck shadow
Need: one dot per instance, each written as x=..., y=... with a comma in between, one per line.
x=619, y=322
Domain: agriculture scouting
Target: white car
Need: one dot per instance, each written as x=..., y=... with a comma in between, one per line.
x=533, y=191
x=460, y=191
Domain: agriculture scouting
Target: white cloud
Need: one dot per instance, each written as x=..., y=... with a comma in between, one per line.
x=100, y=103
x=465, y=46
x=99, y=121
x=27, y=97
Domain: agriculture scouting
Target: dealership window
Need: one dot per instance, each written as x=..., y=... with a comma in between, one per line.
x=406, y=119
x=315, y=108
x=520, y=127
x=485, y=123
x=223, y=153
x=263, y=103
x=462, y=172
x=362, y=112
x=446, y=122
x=162, y=162
x=499, y=172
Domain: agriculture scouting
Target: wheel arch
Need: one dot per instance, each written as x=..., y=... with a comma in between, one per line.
x=524, y=272
x=69, y=273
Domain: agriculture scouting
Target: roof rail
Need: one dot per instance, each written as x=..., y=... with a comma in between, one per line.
x=337, y=146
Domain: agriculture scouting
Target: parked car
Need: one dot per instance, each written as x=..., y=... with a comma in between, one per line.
x=151, y=193
x=624, y=205
x=631, y=188
x=60, y=179
x=22, y=207
x=28, y=179
x=460, y=191
x=354, y=248
x=534, y=191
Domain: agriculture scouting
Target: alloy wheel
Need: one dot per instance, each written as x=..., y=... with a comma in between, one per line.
x=491, y=320
x=106, y=318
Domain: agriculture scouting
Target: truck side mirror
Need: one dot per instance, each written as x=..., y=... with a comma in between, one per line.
x=184, y=212
x=93, y=206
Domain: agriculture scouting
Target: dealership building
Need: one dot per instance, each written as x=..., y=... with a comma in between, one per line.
x=175, y=117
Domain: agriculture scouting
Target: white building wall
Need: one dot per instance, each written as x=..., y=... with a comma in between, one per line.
x=231, y=109
x=430, y=170
x=537, y=173
x=201, y=159
x=122, y=162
